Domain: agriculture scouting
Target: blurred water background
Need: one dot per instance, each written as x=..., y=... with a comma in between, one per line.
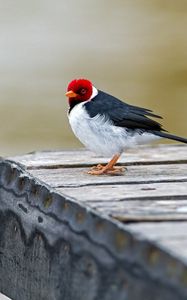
x=134, y=49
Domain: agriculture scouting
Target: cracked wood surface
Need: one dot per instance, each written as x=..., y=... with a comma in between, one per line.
x=150, y=198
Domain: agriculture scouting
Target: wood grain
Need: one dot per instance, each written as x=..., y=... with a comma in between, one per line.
x=74, y=177
x=150, y=197
x=140, y=155
x=169, y=235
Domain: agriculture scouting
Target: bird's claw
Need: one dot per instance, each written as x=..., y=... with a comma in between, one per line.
x=102, y=170
x=98, y=167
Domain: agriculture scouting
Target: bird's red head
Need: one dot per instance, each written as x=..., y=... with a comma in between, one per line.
x=79, y=90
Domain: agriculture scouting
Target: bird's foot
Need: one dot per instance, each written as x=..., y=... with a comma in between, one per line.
x=96, y=168
x=103, y=170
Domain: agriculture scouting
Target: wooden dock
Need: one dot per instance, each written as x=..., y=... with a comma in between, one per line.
x=72, y=236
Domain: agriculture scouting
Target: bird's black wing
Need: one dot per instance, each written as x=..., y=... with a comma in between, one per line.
x=122, y=114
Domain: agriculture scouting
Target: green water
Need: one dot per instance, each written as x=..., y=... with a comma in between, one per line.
x=136, y=50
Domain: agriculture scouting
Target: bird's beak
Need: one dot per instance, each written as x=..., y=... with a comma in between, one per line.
x=71, y=94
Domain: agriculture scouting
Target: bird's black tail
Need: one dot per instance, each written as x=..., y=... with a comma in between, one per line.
x=170, y=136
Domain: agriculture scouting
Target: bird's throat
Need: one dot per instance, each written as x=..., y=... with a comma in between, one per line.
x=73, y=102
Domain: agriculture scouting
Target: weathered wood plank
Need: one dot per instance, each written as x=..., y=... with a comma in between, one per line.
x=153, y=189
x=145, y=185
x=74, y=177
x=121, y=192
x=142, y=182
x=171, y=236
x=135, y=202
x=141, y=155
x=159, y=231
x=57, y=248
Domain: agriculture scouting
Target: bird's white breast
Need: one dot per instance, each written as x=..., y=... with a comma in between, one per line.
x=99, y=134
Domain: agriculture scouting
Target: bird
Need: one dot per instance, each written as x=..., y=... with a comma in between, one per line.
x=108, y=126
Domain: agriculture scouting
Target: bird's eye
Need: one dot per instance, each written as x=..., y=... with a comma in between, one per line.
x=83, y=91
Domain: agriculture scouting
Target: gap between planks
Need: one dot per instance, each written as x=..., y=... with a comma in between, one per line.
x=142, y=155
x=89, y=165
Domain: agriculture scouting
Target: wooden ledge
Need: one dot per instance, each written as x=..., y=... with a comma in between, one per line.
x=126, y=234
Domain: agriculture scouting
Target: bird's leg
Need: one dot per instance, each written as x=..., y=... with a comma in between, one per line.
x=109, y=168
